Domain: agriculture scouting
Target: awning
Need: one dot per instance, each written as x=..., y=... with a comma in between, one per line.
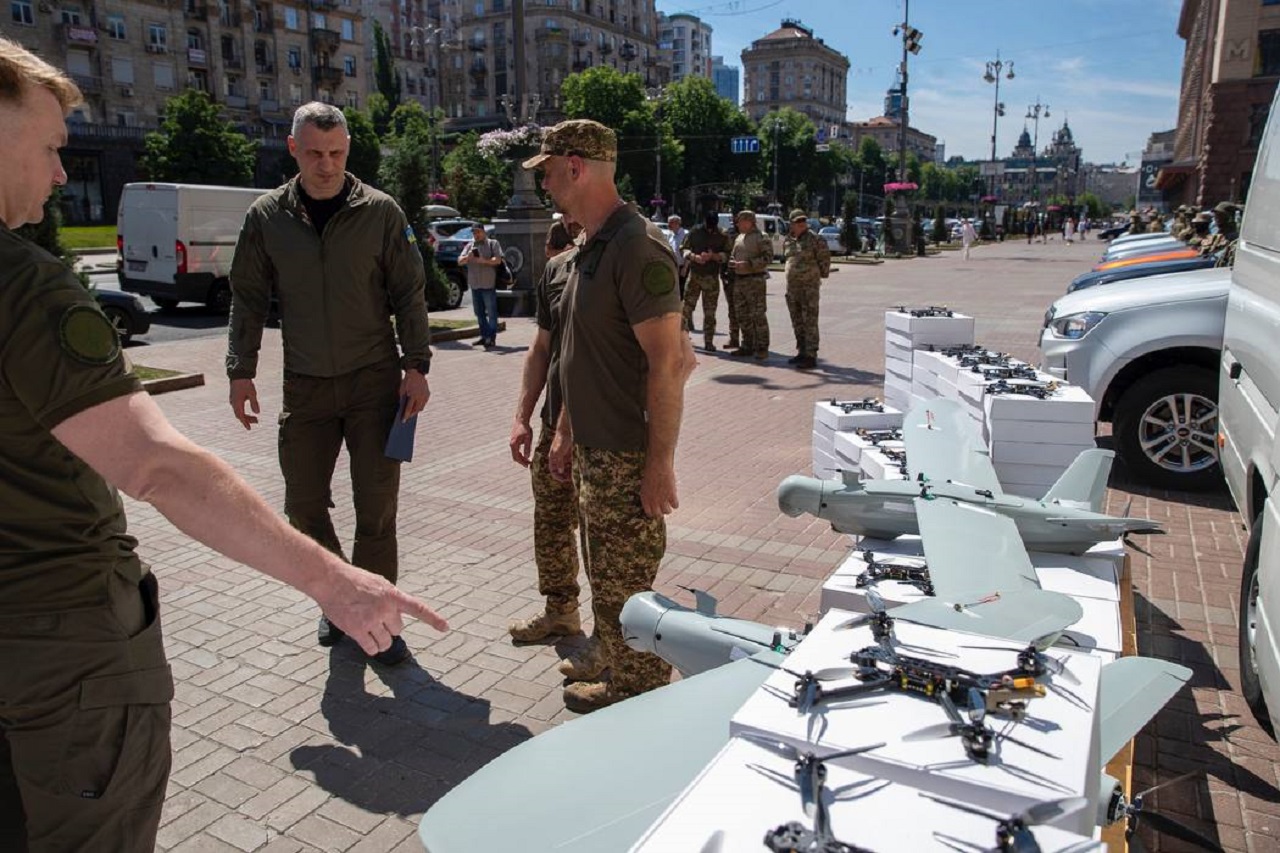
x=1172, y=174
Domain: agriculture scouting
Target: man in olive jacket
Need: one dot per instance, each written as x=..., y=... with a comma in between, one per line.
x=342, y=260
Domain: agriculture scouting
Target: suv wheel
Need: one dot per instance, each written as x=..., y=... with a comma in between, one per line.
x=1250, y=686
x=1166, y=429
x=120, y=321
x=164, y=304
x=453, y=291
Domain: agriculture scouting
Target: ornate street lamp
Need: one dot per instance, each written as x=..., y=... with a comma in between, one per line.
x=1034, y=112
x=992, y=75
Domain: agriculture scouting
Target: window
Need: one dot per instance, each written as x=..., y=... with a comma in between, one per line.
x=349, y=66
x=198, y=79
x=290, y=18
x=21, y=13
x=266, y=92
x=78, y=63
x=318, y=21
x=295, y=57
x=71, y=15
x=353, y=98
x=295, y=94
x=162, y=75
x=158, y=36
x=115, y=27
x=195, y=41
x=348, y=30
x=479, y=8
x=1268, y=54
x=122, y=70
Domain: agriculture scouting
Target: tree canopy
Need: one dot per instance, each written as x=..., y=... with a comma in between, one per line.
x=195, y=145
x=366, y=148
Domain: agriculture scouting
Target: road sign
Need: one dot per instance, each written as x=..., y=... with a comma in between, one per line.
x=744, y=145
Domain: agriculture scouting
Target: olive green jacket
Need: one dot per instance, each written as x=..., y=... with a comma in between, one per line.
x=336, y=293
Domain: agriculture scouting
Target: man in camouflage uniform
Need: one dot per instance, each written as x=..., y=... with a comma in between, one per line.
x=808, y=261
x=704, y=250
x=727, y=280
x=1223, y=242
x=749, y=259
x=1199, y=234
x=624, y=360
x=1136, y=225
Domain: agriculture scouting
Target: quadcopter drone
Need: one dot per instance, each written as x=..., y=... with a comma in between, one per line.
x=931, y=311
x=866, y=404
x=877, y=570
x=1039, y=390
x=1013, y=833
x=878, y=436
x=1007, y=371
x=958, y=350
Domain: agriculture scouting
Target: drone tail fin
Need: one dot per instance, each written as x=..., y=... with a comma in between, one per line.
x=1084, y=484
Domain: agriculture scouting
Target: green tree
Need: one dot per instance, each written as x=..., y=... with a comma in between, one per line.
x=940, y=232
x=366, y=148
x=45, y=234
x=405, y=171
x=787, y=140
x=477, y=185
x=704, y=123
x=385, y=77
x=194, y=145
x=379, y=113
x=849, y=234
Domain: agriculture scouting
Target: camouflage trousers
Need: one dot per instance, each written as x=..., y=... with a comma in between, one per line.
x=802, y=302
x=748, y=293
x=623, y=550
x=555, y=528
x=708, y=287
x=727, y=283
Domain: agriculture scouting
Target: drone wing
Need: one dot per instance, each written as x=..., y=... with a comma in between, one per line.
x=942, y=444
x=1023, y=616
x=1107, y=526
x=972, y=552
x=1132, y=690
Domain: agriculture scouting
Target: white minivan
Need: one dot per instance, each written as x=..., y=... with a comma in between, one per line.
x=174, y=242
x=1249, y=403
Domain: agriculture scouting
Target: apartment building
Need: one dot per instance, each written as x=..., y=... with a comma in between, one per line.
x=725, y=78
x=790, y=67
x=684, y=45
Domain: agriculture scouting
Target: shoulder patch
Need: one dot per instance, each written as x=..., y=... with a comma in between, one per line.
x=87, y=335
x=409, y=235
x=658, y=278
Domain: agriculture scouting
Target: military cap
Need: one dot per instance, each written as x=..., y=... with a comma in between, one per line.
x=1203, y=216
x=799, y=215
x=745, y=214
x=1226, y=207
x=585, y=138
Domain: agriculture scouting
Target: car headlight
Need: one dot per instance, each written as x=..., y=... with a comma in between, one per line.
x=1076, y=326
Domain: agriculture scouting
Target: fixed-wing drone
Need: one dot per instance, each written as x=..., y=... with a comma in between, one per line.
x=949, y=463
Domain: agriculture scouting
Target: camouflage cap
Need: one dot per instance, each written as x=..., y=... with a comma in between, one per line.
x=1226, y=207
x=1203, y=216
x=799, y=215
x=745, y=214
x=588, y=139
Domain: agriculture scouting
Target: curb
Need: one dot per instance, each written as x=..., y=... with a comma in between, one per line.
x=461, y=333
x=173, y=383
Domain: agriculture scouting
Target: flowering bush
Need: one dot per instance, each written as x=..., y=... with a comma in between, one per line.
x=900, y=186
x=498, y=143
x=438, y=198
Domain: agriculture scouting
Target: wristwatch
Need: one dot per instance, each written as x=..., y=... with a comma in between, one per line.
x=422, y=365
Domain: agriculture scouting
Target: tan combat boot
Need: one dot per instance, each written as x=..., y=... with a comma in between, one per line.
x=587, y=664
x=549, y=623
x=583, y=697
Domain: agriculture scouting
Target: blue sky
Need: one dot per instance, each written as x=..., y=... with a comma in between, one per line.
x=1111, y=67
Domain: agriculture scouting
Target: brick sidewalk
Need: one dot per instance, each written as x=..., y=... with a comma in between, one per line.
x=282, y=746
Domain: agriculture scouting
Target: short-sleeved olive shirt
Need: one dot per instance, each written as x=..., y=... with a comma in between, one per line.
x=555, y=275
x=62, y=527
x=621, y=277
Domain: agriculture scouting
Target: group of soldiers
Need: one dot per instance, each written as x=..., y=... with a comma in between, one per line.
x=738, y=261
x=1192, y=226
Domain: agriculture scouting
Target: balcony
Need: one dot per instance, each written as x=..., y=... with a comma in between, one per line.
x=237, y=102
x=581, y=65
x=195, y=9
x=77, y=35
x=196, y=56
x=265, y=67
x=476, y=44
x=88, y=84
x=479, y=68
x=234, y=63
x=605, y=48
x=580, y=39
x=551, y=34
x=628, y=51
x=327, y=76
x=263, y=25
x=268, y=105
x=325, y=4
x=326, y=41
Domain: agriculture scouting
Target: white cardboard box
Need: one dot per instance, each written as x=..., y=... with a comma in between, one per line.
x=947, y=331
x=1069, y=405
x=825, y=465
x=1017, y=779
x=1058, y=456
x=876, y=466
x=823, y=440
x=834, y=417
x=1078, y=433
x=747, y=791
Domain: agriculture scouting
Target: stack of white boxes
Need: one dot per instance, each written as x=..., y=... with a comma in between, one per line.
x=832, y=419
x=903, y=335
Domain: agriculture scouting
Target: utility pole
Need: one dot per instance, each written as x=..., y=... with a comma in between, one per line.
x=777, y=125
x=1035, y=111
x=993, y=76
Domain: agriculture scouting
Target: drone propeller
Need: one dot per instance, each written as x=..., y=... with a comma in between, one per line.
x=1054, y=666
x=783, y=749
x=1035, y=815
x=1135, y=812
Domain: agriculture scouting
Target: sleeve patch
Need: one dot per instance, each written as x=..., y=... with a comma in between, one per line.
x=658, y=278
x=88, y=336
x=409, y=235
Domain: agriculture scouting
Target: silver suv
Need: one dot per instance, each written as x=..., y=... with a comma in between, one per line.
x=1147, y=351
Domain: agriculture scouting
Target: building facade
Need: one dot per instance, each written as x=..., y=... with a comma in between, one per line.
x=1230, y=67
x=684, y=45
x=888, y=133
x=790, y=67
x=725, y=78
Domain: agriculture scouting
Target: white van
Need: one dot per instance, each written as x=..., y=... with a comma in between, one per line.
x=773, y=227
x=1248, y=406
x=174, y=242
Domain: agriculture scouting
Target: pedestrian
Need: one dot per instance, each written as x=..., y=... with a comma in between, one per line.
x=968, y=235
x=559, y=237
x=676, y=233
x=727, y=280
x=343, y=261
x=1030, y=227
x=84, y=682
x=808, y=262
x=1069, y=231
x=704, y=250
x=482, y=256
x=749, y=259
x=555, y=503
x=623, y=364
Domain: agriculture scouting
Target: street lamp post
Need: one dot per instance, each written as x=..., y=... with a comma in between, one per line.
x=992, y=75
x=1034, y=112
x=433, y=36
x=656, y=94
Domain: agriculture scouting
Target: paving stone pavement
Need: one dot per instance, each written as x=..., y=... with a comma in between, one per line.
x=282, y=746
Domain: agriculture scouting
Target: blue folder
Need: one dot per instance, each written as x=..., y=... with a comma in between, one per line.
x=400, y=439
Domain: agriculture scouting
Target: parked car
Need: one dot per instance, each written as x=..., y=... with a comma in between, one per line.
x=1147, y=352
x=127, y=312
x=442, y=229
x=1095, y=278
x=834, y=244
x=450, y=248
x=1113, y=232
x=1155, y=255
x=1117, y=251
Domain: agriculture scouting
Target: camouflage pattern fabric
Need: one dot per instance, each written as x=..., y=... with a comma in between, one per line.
x=624, y=548
x=802, y=303
x=555, y=525
x=708, y=287
x=749, y=294
x=804, y=256
x=727, y=279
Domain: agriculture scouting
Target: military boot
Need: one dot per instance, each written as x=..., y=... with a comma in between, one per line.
x=583, y=697
x=548, y=623
x=586, y=664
